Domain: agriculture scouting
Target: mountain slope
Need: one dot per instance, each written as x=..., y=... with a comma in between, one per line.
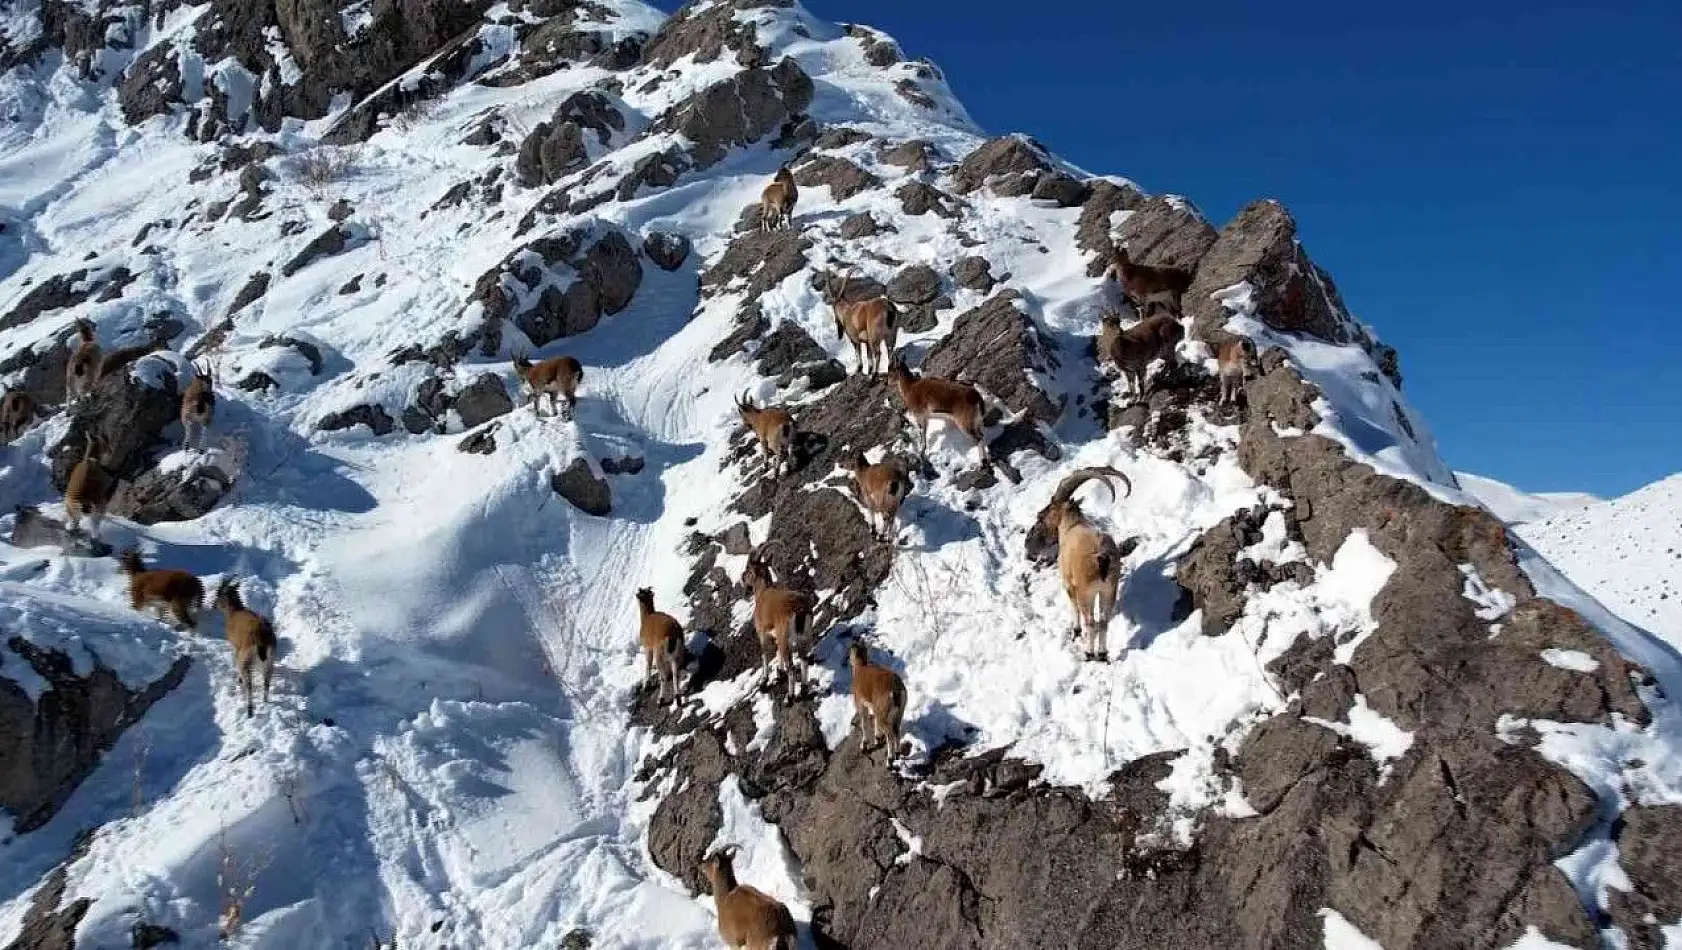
x=1339, y=700
x=1515, y=506
x=1627, y=552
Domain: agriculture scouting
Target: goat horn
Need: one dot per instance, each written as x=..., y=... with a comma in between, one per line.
x=1075, y=479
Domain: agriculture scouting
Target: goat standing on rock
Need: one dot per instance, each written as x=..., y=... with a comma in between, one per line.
x=84, y=367
x=1141, y=283
x=774, y=428
x=89, y=490
x=1135, y=348
x=776, y=202
x=882, y=487
x=779, y=616
x=1237, y=362
x=930, y=397
x=748, y=919
x=17, y=411
x=1089, y=561
x=878, y=702
x=871, y=326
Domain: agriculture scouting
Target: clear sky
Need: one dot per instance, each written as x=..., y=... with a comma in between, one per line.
x=1494, y=184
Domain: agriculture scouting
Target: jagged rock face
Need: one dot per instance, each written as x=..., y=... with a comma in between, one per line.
x=740, y=110
x=561, y=285
x=127, y=418
x=50, y=744
x=996, y=346
x=157, y=495
x=1010, y=166
x=67, y=290
x=1166, y=232
x=581, y=486
x=1261, y=246
x=1650, y=850
x=1092, y=231
x=708, y=31
x=843, y=178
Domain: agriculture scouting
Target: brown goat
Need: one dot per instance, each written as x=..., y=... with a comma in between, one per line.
x=774, y=428
x=878, y=699
x=84, y=367
x=662, y=647
x=88, y=490
x=252, y=637
x=779, y=615
x=1141, y=283
x=557, y=376
x=198, y=407
x=17, y=411
x=748, y=918
x=1135, y=348
x=930, y=397
x=1237, y=362
x=179, y=592
x=882, y=487
x=871, y=326
x=1089, y=561
x=776, y=202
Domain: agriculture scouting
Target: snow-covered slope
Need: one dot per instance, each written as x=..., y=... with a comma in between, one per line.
x=458, y=752
x=1516, y=506
x=1627, y=552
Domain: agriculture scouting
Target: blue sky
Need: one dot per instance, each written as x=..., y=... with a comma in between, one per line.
x=1492, y=183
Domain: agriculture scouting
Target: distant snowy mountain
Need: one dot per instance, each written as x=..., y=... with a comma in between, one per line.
x=1627, y=552
x=1516, y=506
x=1340, y=709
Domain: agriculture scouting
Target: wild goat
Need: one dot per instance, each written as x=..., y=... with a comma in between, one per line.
x=84, y=367
x=1237, y=362
x=748, y=919
x=1141, y=282
x=1088, y=560
x=882, y=488
x=1135, y=348
x=198, y=407
x=774, y=428
x=17, y=411
x=180, y=592
x=776, y=202
x=871, y=326
x=779, y=616
x=878, y=699
x=89, y=490
x=557, y=376
x=252, y=637
x=662, y=647
x=930, y=397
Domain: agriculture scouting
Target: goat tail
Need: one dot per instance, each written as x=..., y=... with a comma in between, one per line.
x=1106, y=564
x=265, y=652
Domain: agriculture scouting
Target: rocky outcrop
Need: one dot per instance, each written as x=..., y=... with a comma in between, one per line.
x=997, y=347
x=666, y=250
x=49, y=744
x=1011, y=165
x=973, y=273
x=914, y=285
x=67, y=290
x=177, y=495
x=127, y=417
x=739, y=111
x=556, y=146
x=1166, y=231
x=708, y=31
x=334, y=241
x=843, y=178
x=1649, y=839
x=375, y=418
x=1092, y=230
x=915, y=155
x=560, y=285
x=917, y=198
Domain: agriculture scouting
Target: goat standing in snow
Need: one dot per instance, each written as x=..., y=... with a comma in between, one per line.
x=661, y=637
x=89, y=490
x=930, y=397
x=83, y=369
x=882, y=488
x=17, y=411
x=198, y=407
x=774, y=428
x=252, y=637
x=1088, y=560
x=780, y=614
x=748, y=919
x=557, y=376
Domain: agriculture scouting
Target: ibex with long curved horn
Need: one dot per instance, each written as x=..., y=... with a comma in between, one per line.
x=1089, y=561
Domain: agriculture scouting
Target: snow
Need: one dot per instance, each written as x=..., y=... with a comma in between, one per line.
x=1343, y=935
x=448, y=757
x=1626, y=552
x=1516, y=506
x=1385, y=741
x=1570, y=660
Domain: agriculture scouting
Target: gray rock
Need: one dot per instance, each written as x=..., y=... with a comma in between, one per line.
x=706, y=33
x=1066, y=191
x=1013, y=164
x=126, y=417
x=917, y=284
x=374, y=417
x=973, y=273
x=992, y=346
x=739, y=111
x=580, y=486
x=67, y=290
x=333, y=241
x=860, y=225
x=918, y=198
x=839, y=137
x=309, y=351
x=482, y=400
x=668, y=251
x=156, y=496
x=1166, y=232
x=1092, y=230
x=843, y=178
x=601, y=273
x=31, y=529
x=1291, y=293
x=916, y=155
x=1649, y=839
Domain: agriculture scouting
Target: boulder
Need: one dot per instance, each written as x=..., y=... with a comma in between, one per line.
x=879, y=49
x=374, y=417
x=1290, y=292
x=914, y=285
x=67, y=290
x=1166, y=231
x=973, y=273
x=1062, y=190
x=549, y=153
x=843, y=178
x=996, y=346
x=583, y=274
x=587, y=492
x=918, y=198
x=127, y=417
x=175, y=495
x=1649, y=839
x=860, y=225
x=915, y=155
x=666, y=250
x=335, y=240
x=739, y=111
x=482, y=400
x=1010, y=165
x=1092, y=229
x=707, y=32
